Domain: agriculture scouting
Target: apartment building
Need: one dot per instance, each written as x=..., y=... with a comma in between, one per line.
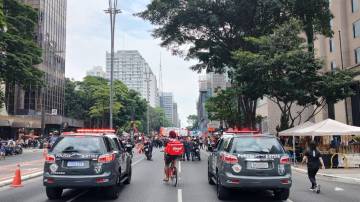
x=132, y=69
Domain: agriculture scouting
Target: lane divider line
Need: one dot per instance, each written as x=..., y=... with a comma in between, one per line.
x=289, y=200
x=179, y=196
x=179, y=167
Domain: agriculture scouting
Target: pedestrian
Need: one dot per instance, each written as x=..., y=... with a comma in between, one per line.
x=313, y=159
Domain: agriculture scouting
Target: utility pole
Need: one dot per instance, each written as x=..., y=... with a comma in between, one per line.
x=112, y=11
x=148, y=79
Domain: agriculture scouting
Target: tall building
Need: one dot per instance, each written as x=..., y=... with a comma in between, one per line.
x=51, y=37
x=96, y=71
x=132, y=69
x=24, y=107
x=167, y=103
x=209, y=85
x=175, y=115
x=342, y=51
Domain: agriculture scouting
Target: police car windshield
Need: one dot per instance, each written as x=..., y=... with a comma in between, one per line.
x=79, y=145
x=257, y=145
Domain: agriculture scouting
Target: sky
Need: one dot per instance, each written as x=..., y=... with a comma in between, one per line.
x=88, y=39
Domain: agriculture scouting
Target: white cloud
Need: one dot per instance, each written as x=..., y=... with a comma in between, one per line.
x=88, y=39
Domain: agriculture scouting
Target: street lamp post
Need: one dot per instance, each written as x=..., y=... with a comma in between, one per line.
x=112, y=11
x=148, y=79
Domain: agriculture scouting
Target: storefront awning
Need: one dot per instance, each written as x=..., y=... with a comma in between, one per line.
x=4, y=123
x=20, y=125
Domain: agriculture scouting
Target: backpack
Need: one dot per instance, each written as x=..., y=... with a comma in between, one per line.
x=174, y=148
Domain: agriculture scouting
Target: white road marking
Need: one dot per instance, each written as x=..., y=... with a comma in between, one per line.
x=179, y=167
x=78, y=196
x=289, y=200
x=338, y=189
x=179, y=195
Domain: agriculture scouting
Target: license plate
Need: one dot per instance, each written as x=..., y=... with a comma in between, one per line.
x=75, y=164
x=260, y=165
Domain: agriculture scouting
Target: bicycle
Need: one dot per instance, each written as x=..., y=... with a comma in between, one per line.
x=173, y=174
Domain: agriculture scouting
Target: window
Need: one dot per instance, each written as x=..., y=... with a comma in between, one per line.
x=357, y=56
x=355, y=5
x=333, y=65
x=331, y=45
x=356, y=29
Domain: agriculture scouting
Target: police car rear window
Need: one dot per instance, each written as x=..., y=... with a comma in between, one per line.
x=83, y=144
x=256, y=145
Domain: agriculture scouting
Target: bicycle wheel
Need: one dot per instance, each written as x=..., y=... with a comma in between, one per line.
x=174, y=176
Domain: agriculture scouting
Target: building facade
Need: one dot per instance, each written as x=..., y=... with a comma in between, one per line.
x=97, y=71
x=132, y=69
x=51, y=37
x=167, y=104
x=176, y=120
x=24, y=107
x=209, y=85
x=342, y=51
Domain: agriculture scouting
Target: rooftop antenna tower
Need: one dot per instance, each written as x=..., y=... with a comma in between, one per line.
x=161, y=87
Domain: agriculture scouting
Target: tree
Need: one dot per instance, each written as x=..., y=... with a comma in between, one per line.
x=315, y=16
x=291, y=75
x=211, y=31
x=21, y=53
x=2, y=17
x=224, y=107
x=18, y=51
x=73, y=104
x=193, y=122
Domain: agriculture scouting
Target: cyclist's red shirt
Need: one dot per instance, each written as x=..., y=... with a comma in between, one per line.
x=174, y=147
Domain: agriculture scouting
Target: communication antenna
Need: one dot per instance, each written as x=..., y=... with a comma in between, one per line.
x=161, y=87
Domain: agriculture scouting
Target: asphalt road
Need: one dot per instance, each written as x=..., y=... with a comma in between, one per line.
x=147, y=186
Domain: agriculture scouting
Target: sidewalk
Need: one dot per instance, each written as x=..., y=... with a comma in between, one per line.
x=350, y=175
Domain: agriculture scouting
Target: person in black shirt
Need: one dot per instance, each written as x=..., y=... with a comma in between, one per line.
x=313, y=160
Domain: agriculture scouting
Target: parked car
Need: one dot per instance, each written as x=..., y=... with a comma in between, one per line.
x=87, y=159
x=249, y=162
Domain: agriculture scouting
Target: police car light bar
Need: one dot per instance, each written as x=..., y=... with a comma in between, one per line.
x=95, y=131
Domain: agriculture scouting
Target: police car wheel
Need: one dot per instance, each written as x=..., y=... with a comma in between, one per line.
x=53, y=193
x=112, y=192
x=221, y=192
x=282, y=194
x=128, y=177
x=211, y=182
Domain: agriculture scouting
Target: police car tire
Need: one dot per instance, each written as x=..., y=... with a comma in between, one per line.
x=282, y=194
x=221, y=191
x=53, y=193
x=112, y=192
x=128, y=177
x=211, y=182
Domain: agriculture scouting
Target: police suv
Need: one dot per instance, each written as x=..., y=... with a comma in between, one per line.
x=249, y=161
x=89, y=158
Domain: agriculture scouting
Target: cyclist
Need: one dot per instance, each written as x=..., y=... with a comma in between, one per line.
x=171, y=154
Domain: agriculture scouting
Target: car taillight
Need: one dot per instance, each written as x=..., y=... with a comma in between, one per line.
x=106, y=158
x=50, y=158
x=228, y=158
x=285, y=160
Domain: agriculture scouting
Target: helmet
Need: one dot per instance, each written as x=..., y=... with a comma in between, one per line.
x=172, y=134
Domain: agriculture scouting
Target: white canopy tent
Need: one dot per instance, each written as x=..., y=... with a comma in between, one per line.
x=326, y=128
x=290, y=132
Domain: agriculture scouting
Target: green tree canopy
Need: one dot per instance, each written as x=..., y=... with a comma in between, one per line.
x=20, y=51
x=315, y=16
x=193, y=122
x=291, y=75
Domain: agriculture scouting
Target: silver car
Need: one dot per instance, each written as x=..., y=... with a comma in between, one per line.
x=247, y=161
